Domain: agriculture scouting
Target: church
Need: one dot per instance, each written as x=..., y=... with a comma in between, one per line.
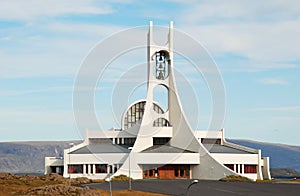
x=154, y=143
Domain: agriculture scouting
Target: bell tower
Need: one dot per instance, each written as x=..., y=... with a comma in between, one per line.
x=160, y=64
x=154, y=121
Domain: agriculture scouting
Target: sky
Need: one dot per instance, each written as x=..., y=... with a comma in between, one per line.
x=255, y=45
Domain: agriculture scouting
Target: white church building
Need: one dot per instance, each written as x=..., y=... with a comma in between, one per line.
x=153, y=143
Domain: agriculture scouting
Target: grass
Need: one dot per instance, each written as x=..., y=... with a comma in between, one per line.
x=234, y=178
x=27, y=184
x=121, y=177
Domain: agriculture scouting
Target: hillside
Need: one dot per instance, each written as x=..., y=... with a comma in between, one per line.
x=28, y=157
x=282, y=156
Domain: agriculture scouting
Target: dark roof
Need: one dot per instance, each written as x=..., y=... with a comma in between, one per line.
x=115, y=148
x=101, y=148
x=165, y=149
x=218, y=148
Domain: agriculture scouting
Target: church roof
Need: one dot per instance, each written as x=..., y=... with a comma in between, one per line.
x=102, y=148
x=218, y=148
x=165, y=149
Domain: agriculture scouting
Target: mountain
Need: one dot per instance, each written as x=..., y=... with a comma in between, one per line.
x=284, y=173
x=281, y=155
x=29, y=157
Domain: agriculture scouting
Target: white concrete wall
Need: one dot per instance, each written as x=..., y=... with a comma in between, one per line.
x=137, y=159
x=113, y=133
x=226, y=158
x=240, y=159
x=208, y=134
x=266, y=168
x=105, y=158
x=164, y=132
x=52, y=161
x=168, y=158
x=210, y=168
x=91, y=160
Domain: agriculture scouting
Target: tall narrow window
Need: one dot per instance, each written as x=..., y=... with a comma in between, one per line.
x=86, y=169
x=181, y=171
x=92, y=168
x=151, y=172
x=187, y=170
x=176, y=171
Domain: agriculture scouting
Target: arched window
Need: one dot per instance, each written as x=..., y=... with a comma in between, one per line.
x=161, y=96
x=161, y=122
x=134, y=113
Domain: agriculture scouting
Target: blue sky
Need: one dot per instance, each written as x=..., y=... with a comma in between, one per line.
x=255, y=45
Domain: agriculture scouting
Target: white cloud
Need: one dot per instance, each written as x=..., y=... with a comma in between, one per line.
x=31, y=65
x=37, y=91
x=58, y=52
x=262, y=46
x=38, y=55
x=26, y=10
x=273, y=81
x=232, y=10
x=264, y=33
x=95, y=30
x=272, y=42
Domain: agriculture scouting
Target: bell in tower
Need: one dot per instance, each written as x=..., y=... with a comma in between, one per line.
x=161, y=68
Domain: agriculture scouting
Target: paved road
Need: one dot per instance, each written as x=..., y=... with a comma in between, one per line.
x=211, y=188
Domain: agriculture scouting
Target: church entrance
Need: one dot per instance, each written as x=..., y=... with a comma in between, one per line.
x=166, y=171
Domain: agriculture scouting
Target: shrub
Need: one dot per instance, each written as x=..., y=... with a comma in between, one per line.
x=234, y=178
x=120, y=178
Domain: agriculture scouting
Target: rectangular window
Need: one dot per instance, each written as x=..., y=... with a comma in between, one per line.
x=156, y=172
x=160, y=140
x=145, y=173
x=176, y=171
x=230, y=166
x=111, y=169
x=101, y=168
x=129, y=141
x=210, y=141
x=151, y=172
x=250, y=169
x=100, y=140
x=75, y=169
x=92, y=169
x=187, y=170
x=181, y=171
x=115, y=169
x=86, y=169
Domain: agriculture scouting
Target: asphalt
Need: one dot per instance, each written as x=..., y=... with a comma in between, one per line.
x=210, y=188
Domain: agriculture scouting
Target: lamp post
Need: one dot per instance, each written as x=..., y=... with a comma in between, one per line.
x=188, y=188
x=68, y=166
x=129, y=148
x=110, y=172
